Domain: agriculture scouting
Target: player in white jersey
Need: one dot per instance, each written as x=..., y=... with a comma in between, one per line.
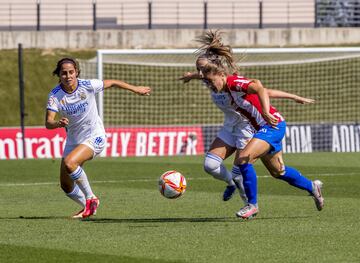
x=233, y=136
x=73, y=100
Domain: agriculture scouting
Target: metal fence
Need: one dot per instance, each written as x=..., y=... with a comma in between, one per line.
x=156, y=14
x=338, y=13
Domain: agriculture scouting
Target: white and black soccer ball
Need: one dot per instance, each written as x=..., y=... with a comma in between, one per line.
x=172, y=184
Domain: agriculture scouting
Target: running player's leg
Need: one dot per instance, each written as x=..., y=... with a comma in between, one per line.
x=266, y=140
x=73, y=162
x=244, y=161
x=275, y=165
x=213, y=164
x=239, y=182
x=73, y=165
x=243, y=134
x=72, y=190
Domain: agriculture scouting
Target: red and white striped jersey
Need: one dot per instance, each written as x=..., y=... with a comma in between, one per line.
x=248, y=104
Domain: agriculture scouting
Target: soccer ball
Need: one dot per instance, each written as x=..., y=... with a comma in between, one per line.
x=172, y=184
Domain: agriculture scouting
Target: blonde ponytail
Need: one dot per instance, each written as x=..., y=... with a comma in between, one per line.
x=215, y=51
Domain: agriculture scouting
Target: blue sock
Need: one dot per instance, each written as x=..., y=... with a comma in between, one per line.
x=294, y=178
x=250, y=182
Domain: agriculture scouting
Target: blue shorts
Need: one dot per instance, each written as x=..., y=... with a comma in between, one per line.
x=272, y=136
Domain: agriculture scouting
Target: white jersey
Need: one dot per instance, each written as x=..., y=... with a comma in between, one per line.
x=233, y=120
x=80, y=108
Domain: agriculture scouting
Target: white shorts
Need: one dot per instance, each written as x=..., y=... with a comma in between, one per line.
x=96, y=143
x=238, y=139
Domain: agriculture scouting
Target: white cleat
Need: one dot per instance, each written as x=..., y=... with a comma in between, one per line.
x=316, y=194
x=248, y=212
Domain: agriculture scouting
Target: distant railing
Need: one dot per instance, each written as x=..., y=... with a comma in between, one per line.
x=338, y=13
x=146, y=14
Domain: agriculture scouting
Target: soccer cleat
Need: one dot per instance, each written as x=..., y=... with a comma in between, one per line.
x=248, y=212
x=79, y=214
x=229, y=191
x=91, y=207
x=316, y=194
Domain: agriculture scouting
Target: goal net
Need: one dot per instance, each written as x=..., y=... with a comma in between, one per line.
x=328, y=75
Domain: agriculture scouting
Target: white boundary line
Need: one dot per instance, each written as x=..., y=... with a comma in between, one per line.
x=150, y=180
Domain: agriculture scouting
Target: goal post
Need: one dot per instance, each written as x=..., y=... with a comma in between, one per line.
x=328, y=75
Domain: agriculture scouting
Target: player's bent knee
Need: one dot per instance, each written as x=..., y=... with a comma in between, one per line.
x=243, y=159
x=211, y=165
x=277, y=173
x=70, y=165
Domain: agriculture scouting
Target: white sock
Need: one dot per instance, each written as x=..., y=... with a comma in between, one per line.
x=79, y=176
x=238, y=178
x=213, y=165
x=77, y=195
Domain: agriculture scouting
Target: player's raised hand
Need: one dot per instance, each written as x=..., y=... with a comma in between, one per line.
x=142, y=90
x=189, y=76
x=302, y=100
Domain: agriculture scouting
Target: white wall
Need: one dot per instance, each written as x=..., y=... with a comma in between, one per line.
x=181, y=38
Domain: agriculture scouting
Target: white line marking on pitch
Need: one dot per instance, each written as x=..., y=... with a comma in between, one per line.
x=147, y=180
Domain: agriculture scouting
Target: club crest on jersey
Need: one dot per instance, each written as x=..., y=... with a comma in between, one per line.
x=62, y=102
x=82, y=95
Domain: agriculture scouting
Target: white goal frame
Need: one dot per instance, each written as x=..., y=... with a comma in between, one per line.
x=102, y=52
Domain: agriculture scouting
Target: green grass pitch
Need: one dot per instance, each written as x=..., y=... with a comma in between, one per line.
x=136, y=224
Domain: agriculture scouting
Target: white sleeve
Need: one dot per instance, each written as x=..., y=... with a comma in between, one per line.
x=97, y=84
x=51, y=104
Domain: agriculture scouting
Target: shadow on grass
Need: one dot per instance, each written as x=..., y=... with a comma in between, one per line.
x=100, y=220
x=35, y=218
x=186, y=219
x=162, y=220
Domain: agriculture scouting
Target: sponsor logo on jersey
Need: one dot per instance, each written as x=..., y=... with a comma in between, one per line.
x=75, y=109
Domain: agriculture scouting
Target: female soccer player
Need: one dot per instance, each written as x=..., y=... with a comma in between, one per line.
x=233, y=135
x=211, y=55
x=74, y=100
x=248, y=104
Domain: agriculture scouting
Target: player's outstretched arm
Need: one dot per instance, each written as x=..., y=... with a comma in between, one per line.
x=256, y=87
x=285, y=95
x=190, y=76
x=51, y=123
x=141, y=90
